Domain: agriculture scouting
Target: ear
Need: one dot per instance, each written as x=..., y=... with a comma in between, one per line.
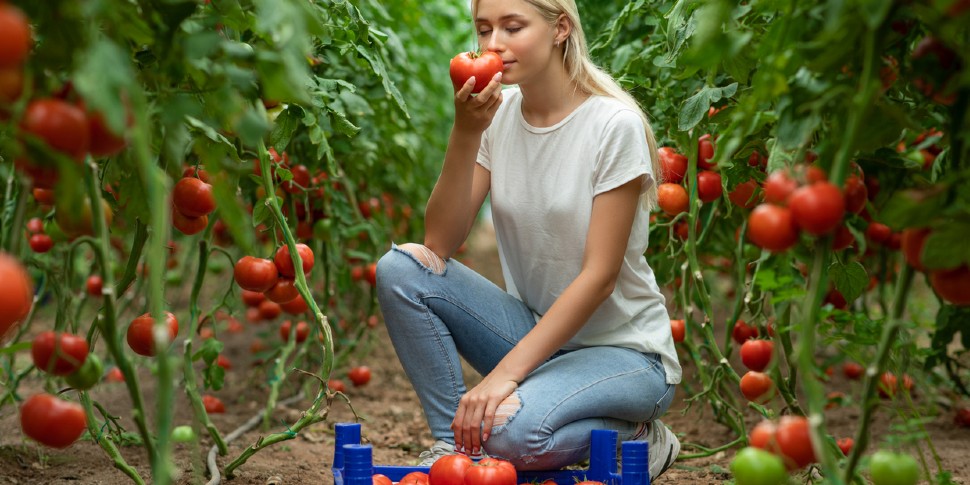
x=563, y=28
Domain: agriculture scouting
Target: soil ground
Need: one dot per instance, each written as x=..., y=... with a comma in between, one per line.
x=393, y=424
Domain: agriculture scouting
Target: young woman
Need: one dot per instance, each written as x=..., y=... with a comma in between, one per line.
x=580, y=339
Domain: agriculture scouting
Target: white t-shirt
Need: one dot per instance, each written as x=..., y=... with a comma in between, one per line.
x=543, y=181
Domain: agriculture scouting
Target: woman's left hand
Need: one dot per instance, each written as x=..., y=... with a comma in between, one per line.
x=476, y=412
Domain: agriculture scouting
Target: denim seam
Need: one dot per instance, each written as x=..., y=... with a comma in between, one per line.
x=545, y=418
x=441, y=347
x=419, y=262
x=467, y=310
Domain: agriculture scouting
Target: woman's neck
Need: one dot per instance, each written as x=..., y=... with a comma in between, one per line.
x=546, y=102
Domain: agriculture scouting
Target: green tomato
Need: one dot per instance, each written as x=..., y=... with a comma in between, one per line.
x=86, y=376
x=888, y=468
x=183, y=434
x=754, y=466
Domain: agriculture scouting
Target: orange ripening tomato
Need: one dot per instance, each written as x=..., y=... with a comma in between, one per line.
x=678, y=329
x=672, y=198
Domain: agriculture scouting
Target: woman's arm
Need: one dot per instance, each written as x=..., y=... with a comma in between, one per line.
x=462, y=184
x=610, y=225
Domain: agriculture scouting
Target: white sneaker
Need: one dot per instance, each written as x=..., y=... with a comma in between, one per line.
x=662, y=448
x=439, y=449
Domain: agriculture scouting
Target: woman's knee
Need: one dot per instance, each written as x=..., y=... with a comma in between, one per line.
x=403, y=259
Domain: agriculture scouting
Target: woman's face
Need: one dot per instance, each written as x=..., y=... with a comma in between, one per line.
x=515, y=31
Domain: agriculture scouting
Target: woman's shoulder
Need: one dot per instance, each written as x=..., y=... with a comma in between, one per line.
x=612, y=114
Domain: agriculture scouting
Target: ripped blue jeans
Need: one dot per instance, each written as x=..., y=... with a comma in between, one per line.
x=433, y=316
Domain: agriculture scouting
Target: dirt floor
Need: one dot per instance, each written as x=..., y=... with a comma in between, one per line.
x=393, y=424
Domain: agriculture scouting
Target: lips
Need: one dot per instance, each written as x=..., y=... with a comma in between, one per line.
x=506, y=64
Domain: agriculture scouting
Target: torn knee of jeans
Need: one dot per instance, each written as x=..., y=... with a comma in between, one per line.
x=424, y=256
x=506, y=410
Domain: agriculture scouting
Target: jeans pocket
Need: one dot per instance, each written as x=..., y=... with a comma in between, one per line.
x=664, y=402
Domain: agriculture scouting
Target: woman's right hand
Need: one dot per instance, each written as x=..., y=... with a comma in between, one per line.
x=475, y=113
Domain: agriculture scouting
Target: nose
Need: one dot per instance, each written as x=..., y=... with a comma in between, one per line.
x=494, y=42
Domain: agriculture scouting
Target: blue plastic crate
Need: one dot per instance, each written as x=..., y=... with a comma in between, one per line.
x=353, y=462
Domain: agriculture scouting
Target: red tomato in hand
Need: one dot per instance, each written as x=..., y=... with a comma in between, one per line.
x=678, y=329
x=709, y=186
x=51, y=421
x=213, y=405
x=284, y=263
x=193, y=197
x=491, y=471
x=468, y=64
x=757, y=387
x=255, y=274
x=58, y=353
x=756, y=354
x=359, y=375
x=63, y=126
x=449, y=470
x=16, y=293
x=15, y=38
x=673, y=166
x=772, y=227
x=140, y=337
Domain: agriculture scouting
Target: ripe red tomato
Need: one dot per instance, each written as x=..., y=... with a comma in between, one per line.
x=678, y=329
x=40, y=243
x=63, y=126
x=16, y=293
x=778, y=187
x=491, y=471
x=757, y=387
x=709, y=186
x=468, y=64
x=672, y=198
x=283, y=291
x=842, y=239
x=43, y=196
x=756, y=354
x=58, y=353
x=51, y=421
x=794, y=441
x=104, y=142
x=953, y=285
x=745, y=194
x=285, y=264
x=359, y=375
x=336, y=385
x=379, y=479
x=302, y=331
x=878, y=233
x=193, y=197
x=114, y=375
x=268, y=310
x=772, y=227
x=817, y=208
x=705, y=152
x=913, y=240
x=296, y=306
x=673, y=166
x=836, y=298
x=213, y=405
x=449, y=470
x=35, y=225
x=15, y=38
x=962, y=417
x=845, y=444
x=852, y=370
x=11, y=84
x=224, y=362
x=140, y=337
x=255, y=274
x=763, y=436
x=741, y=332
x=370, y=274
x=196, y=172
x=252, y=298
x=855, y=194
x=94, y=285
x=300, y=180
x=414, y=478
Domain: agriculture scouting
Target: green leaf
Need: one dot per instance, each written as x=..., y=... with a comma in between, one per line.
x=285, y=127
x=104, y=78
x=850, y=279
x=945, y=248
x=210, y=350
x=14, y=348
x=913, y=208
x=874, y=11
x=377, y=64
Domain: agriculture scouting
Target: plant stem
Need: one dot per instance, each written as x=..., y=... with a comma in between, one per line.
x=105, y=442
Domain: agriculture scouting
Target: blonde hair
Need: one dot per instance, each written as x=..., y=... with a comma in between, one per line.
x=590, y=78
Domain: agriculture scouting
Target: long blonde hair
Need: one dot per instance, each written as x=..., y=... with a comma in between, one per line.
x=590, y=78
